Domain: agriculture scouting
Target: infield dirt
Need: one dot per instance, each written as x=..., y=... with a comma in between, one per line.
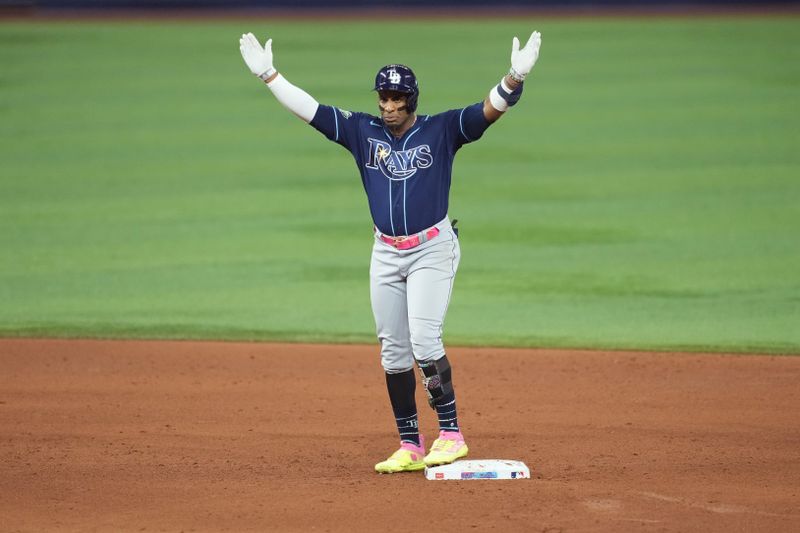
x=184, y=436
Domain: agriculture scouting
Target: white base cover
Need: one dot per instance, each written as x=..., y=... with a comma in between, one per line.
x=479, y=469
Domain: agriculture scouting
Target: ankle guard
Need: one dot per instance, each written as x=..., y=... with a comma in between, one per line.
x=436, y=378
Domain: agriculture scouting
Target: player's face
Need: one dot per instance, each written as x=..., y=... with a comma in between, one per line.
x=393, y=106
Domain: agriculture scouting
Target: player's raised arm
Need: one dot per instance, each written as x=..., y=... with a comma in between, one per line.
x=509, y=90
x=259, y=61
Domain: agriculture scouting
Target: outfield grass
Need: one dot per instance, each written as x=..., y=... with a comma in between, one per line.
x=644, y=194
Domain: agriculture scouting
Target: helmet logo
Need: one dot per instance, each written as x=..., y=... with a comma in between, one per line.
x=398, y=78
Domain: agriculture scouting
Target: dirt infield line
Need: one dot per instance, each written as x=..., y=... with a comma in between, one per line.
x=130, y=436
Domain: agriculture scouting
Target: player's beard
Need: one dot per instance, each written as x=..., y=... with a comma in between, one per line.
x=397, y=120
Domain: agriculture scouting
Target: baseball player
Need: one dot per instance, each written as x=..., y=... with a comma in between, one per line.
x=405, y=160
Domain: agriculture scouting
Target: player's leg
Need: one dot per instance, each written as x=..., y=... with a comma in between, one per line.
x=430, y=285
x=388, y=297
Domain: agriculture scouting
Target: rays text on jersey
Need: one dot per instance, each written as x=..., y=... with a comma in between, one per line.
x=398, y=165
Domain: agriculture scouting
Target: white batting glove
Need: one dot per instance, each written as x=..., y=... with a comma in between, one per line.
x=522, y=61
x=258, y=59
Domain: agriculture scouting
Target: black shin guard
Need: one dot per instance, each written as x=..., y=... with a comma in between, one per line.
x=437, y=379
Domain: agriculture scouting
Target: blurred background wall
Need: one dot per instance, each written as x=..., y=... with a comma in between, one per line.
x=371, y=4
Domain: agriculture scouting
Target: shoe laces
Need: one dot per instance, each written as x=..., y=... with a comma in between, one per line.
x=443, y=445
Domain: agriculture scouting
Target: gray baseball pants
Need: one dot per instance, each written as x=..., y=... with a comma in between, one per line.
x=410, y=291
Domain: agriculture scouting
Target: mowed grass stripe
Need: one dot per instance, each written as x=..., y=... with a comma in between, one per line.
x=644, y=194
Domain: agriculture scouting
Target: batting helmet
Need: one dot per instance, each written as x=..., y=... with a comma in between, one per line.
x=399, y=78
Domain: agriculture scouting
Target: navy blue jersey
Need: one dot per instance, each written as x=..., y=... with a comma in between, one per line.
x=407, y=180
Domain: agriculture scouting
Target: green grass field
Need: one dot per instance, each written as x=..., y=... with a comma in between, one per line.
x=644, y=194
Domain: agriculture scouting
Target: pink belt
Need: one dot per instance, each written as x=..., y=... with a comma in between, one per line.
x=406, y=242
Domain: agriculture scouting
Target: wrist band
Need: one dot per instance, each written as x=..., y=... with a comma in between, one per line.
x=502, y=96
x=516, y=76
x=509, y=95
x=497, y=101
x=266, y=75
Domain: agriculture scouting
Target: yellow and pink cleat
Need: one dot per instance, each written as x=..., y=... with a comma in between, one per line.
x=406, y=459
x=447, y=448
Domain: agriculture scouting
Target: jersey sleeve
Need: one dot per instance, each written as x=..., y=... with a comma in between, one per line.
x=466, y=125
x=338, y=125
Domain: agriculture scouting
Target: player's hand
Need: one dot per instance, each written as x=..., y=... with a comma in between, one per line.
x=258, y=59
x=522, y=61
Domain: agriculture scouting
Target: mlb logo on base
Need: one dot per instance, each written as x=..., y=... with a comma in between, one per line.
x=479, y=469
